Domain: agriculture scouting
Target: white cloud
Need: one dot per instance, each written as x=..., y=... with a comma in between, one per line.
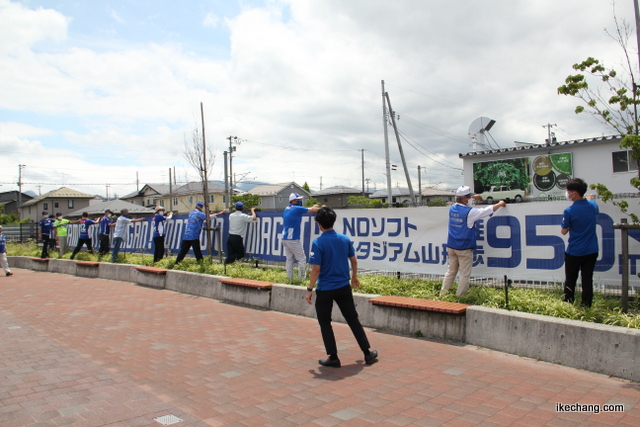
x=304, y=92
x=211, y=20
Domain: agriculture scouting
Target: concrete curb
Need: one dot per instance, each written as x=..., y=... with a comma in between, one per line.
x=605, y=349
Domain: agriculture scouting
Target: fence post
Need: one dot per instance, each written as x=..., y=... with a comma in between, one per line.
x=507, y=282
x=624, y=237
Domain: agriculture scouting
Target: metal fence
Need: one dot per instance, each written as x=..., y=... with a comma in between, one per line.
x=20, y=232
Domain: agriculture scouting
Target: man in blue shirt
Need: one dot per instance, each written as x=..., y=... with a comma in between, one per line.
x=159, y=232
x=83, y=237
x=579, y=220
x=330, y=256
x=291, y=239
x=3, y=255
x=105, y=226
x=46, y=233
x=191, y=235
x=461, y=238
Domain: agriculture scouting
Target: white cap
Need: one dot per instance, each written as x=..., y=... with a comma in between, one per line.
x=464, y=191
x=295, y=196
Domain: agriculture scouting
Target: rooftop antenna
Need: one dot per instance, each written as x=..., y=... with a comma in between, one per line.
x=478, y=130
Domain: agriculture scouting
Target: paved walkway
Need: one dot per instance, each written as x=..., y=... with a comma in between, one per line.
x=93, y=352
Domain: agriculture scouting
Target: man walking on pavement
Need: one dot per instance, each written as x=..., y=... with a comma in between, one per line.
x=330, y=256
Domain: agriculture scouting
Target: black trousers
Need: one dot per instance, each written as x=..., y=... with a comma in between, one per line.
x=324, y=305
x=46, y=241
x=186, y=245
x=235, y=248
x=585, y=265
x=79, y=246
x=104, y=244
x=158, y=248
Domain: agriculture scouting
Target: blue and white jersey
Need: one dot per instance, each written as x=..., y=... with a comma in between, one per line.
x=84, y=228
x=292, y=216
x=105, y=221
x=3, y=244
x=159, y=225
x=47, y=226
x=194, y=225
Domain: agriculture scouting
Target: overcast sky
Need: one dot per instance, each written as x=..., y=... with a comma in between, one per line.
x=92, y=93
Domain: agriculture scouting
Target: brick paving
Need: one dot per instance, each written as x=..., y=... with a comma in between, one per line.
x=93, y=352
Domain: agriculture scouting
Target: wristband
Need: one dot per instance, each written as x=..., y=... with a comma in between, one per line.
x=310, y=289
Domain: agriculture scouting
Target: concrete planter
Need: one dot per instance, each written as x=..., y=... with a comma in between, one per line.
x=62, y=266
x=610, y=350
x=194, y=284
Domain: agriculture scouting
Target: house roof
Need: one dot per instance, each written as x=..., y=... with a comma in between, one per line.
x=430, y=191
x=195, y=188
x=338, y=189
x=158, y=188
x=114, y=205
x=12, y=196
x=394, y=192
x=542, y=147
x=273, y=189
x=60, y=193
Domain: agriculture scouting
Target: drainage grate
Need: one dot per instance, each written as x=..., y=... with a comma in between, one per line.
x=167, y=420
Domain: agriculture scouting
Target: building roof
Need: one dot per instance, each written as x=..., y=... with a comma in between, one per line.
x=158, y=188
x=12, y=196
x=431, y=191
x=394, y=192
x=60, y=193
x=335, y=190
x=115, y=205
x=542, y=147
x=195, y=188
x=273, y=189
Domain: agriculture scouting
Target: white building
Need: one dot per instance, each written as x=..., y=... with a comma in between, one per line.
x=541, y=170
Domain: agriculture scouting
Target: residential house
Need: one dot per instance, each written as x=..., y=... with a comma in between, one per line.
x=10, y=201
x=62, y=200
x=185, y=197
x=399, y=196
x=430, y=194
x=337, y=196
x=276, y=196
x=148, y=195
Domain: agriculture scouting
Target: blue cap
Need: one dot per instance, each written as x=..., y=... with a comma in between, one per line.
x=239, y=205
x=200, y=204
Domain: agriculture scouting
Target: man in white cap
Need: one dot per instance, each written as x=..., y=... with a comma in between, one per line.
x=461, y=239
x=291, y=239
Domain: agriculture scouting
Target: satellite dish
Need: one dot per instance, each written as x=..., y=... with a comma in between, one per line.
x=478, y=130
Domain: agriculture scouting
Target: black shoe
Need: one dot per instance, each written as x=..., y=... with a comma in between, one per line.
x=9, y=274
x=331, y=363
x=371, y=358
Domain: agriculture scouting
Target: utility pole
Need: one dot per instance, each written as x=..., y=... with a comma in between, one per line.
x=404, y=163
x=635, y=107
x=386, y=148
x=320, y=183
x=138, y=183
x=232, y=140
x=419, y=187
x=20, y=167
x=205, y=184
x=549, y=126
x=226, y=181
x=168, y=209
x=363, y=193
